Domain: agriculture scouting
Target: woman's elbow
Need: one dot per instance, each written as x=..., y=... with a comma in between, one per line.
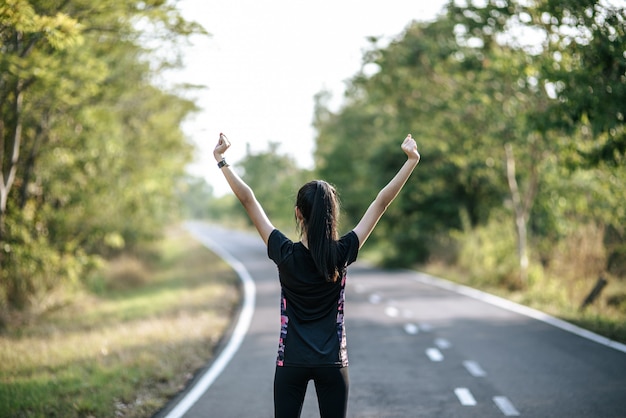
x=383, y=201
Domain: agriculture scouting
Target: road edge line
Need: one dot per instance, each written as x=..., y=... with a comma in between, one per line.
x=239, y=332
x=517, y=308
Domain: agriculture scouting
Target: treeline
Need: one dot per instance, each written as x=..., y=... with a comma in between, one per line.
x=518, y=110
x=90, y=147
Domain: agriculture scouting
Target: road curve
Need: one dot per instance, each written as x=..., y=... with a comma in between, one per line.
x=418, y=347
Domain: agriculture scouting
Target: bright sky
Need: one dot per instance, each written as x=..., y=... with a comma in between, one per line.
x=264, y=62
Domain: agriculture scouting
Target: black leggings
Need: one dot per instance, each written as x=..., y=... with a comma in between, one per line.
x=331, y=385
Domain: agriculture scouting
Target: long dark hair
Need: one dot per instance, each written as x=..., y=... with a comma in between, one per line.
x=319, y=206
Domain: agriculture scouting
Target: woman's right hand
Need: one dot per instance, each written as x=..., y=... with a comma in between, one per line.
x=410, y=148
x=222, y=145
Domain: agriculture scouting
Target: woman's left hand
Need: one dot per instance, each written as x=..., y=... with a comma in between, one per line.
x=410, y=148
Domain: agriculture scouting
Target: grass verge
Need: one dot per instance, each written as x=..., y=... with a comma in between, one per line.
x=128, y=345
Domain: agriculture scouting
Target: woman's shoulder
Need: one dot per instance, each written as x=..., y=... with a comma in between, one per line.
x=349, y=238
x=278, y=246
x=349, y=246
x=277, y=235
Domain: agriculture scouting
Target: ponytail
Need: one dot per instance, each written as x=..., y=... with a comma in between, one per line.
x=319, y=206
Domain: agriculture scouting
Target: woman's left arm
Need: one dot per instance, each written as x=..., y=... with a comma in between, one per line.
x=243, y=192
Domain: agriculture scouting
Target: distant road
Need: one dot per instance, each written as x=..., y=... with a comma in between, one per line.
x=416, y=349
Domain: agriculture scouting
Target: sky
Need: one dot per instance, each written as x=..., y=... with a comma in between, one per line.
x=264, y=61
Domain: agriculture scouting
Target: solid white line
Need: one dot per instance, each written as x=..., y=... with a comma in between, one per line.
x=465, y=396
x=517, y=308
x=434, y=354
x=474, y=368
x=505, y=406
x=249, y=292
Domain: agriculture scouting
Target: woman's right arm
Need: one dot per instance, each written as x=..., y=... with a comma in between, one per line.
x=388, y=193
x=243, y=192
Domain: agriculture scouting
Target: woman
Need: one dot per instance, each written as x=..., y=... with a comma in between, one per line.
x=312, y=273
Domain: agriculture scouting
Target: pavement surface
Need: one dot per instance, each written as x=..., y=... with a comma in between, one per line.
x=418, y=347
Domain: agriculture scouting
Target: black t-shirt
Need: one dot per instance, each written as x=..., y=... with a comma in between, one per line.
x=312, y=323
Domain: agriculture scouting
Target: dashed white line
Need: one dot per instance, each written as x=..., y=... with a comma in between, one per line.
x=434, y=354
x=426, y=327
x=442, y=343
x=375, y=298
x=465, y=396
x=505, y=406
x=392, y=311
x=411, y=329
x=474, y=368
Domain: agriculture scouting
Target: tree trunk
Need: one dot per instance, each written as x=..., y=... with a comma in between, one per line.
x=8, y=173
x=521, y=213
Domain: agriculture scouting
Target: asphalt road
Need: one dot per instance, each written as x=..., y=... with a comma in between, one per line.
x=417, y=348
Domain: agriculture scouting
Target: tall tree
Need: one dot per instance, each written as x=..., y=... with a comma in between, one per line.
x=25, y=40
x=489, y=109
x=584, y=67
x=275, y=179
x=91, y=149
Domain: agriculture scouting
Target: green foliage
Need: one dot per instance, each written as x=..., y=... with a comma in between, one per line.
x=583, y=63
x=275, y=179
x=467, y=86
x=127, y=350
x=91, y=151
x=195, y=195
x=487, y=253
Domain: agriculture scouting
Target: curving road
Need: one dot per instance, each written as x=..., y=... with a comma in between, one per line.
x=418, y=347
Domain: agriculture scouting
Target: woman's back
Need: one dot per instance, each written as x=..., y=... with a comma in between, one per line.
x=313, y=329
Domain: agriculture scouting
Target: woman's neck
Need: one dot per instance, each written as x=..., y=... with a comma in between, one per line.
x=304, y=240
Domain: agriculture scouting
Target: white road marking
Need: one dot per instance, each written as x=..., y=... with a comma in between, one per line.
x=426, y=327
x=411, y=329
x=505, y=406
x=474, y=368
x=243, y=323
x=375, y=298
x=442, y=343
x=465, y=396
x=392, y=311
x=434, y=354
x=520, y=309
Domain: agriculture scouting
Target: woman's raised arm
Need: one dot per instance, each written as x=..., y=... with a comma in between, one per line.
x=388, y=193
x=243, y=192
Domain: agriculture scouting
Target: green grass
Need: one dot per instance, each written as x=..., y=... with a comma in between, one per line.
x=127, y=346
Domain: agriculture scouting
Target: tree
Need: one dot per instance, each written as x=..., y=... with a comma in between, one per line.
x=275, y=179
x=577, y=114
x=84, y=133
x=583, y=67
x=493, y=118
x=24, y=35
